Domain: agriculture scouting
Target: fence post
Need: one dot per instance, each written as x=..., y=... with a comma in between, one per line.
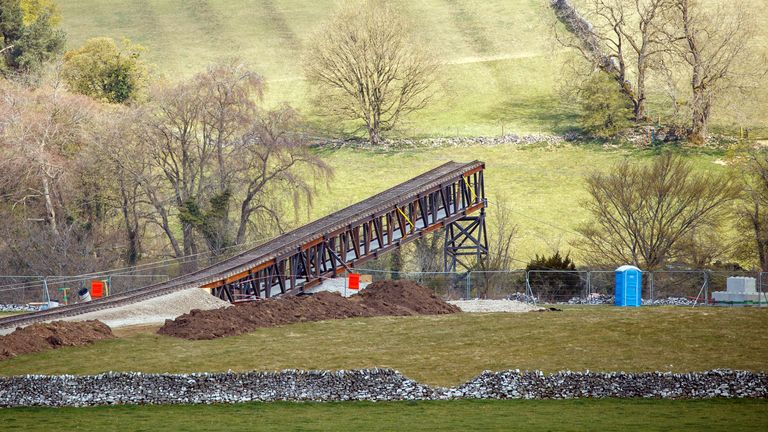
x=47, y=295
x=528, y=289
x=469, y=285
x=706, y=287
x=650, y=285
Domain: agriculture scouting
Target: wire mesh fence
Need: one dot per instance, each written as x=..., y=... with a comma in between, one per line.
x=446, y=285
x=41, y=291
x=677, y=287
x=498, y=285
x=593, y=287
x=669, y=287
x=22, y=290
x=556, y=286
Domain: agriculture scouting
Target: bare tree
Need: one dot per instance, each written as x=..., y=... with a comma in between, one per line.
x=754, y=208
x=714, y=43
x=278, y=168
x=428, y=252
x=115, y=150
x=219, y=163
x=623, y=38
x=52, y=211
x=643, y=215
x=367, y=69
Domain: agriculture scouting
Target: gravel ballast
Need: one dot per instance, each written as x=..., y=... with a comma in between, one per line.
x=366, y=385
x=482, y=305
x=155, y=310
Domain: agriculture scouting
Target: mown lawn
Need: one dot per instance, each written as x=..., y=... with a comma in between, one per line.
x=572, y=415
x=449, y=349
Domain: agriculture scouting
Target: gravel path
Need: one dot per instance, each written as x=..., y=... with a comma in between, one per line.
x=479, y=305
x=155, y=310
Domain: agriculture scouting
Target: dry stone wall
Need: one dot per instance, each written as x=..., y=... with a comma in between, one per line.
x=366, y=385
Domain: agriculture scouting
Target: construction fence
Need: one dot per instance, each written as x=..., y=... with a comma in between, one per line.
x=673, y=287
x=40, y=291
x=670, y=287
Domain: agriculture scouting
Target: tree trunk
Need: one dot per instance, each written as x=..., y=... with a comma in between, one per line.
x=50, y=210
x=396, y=265
x=374, y=136
x=187, y=232
x=700, y=118
x=639, y=101
x=761, y=237
x=242, y=227
x=131, y=228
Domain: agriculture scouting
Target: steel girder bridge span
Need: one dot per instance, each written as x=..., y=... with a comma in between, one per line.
x=450, y=197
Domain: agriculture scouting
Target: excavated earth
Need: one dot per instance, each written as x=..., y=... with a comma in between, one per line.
x=385, y=298
x=52, y=335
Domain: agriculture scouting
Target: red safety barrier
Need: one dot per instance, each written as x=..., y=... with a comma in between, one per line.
x=354, y=281
x=97, y=288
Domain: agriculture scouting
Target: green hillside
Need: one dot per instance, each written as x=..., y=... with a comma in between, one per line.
x=502, y=69
x=542, y=187
x=497, y=53
x=502, y=66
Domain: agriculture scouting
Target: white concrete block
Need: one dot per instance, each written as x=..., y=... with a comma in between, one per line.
x=337, y=285
x=741, y=285
x=729, y=297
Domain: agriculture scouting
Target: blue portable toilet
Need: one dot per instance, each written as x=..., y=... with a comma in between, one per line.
x=629, y=286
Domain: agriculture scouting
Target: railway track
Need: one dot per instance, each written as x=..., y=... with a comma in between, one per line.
x=272, y=249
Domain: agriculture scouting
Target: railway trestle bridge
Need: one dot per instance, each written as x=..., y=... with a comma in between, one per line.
x=449, y=197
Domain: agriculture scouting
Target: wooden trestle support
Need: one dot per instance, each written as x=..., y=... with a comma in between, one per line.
x=456, y=205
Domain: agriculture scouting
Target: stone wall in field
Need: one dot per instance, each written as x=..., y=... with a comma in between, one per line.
x=366, y=385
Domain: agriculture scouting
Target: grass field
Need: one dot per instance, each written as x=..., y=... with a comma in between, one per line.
x=501, y=65
x=446, y=350
x=574, y=415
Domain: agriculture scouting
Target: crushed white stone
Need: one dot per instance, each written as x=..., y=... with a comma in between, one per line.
x=155, y=310
x=481, y=305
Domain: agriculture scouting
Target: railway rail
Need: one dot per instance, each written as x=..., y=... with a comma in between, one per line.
x=450, y=196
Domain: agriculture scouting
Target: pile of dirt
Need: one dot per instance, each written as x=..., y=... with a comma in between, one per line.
x=396, y=298
x=402, y=298
x=56, y=334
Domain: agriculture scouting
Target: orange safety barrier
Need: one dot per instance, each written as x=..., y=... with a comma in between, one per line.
x=354, y=281
x=97, y=288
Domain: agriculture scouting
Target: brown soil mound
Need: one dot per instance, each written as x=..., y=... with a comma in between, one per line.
x=57, y=334
x=379, y=299
x=404, y=297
